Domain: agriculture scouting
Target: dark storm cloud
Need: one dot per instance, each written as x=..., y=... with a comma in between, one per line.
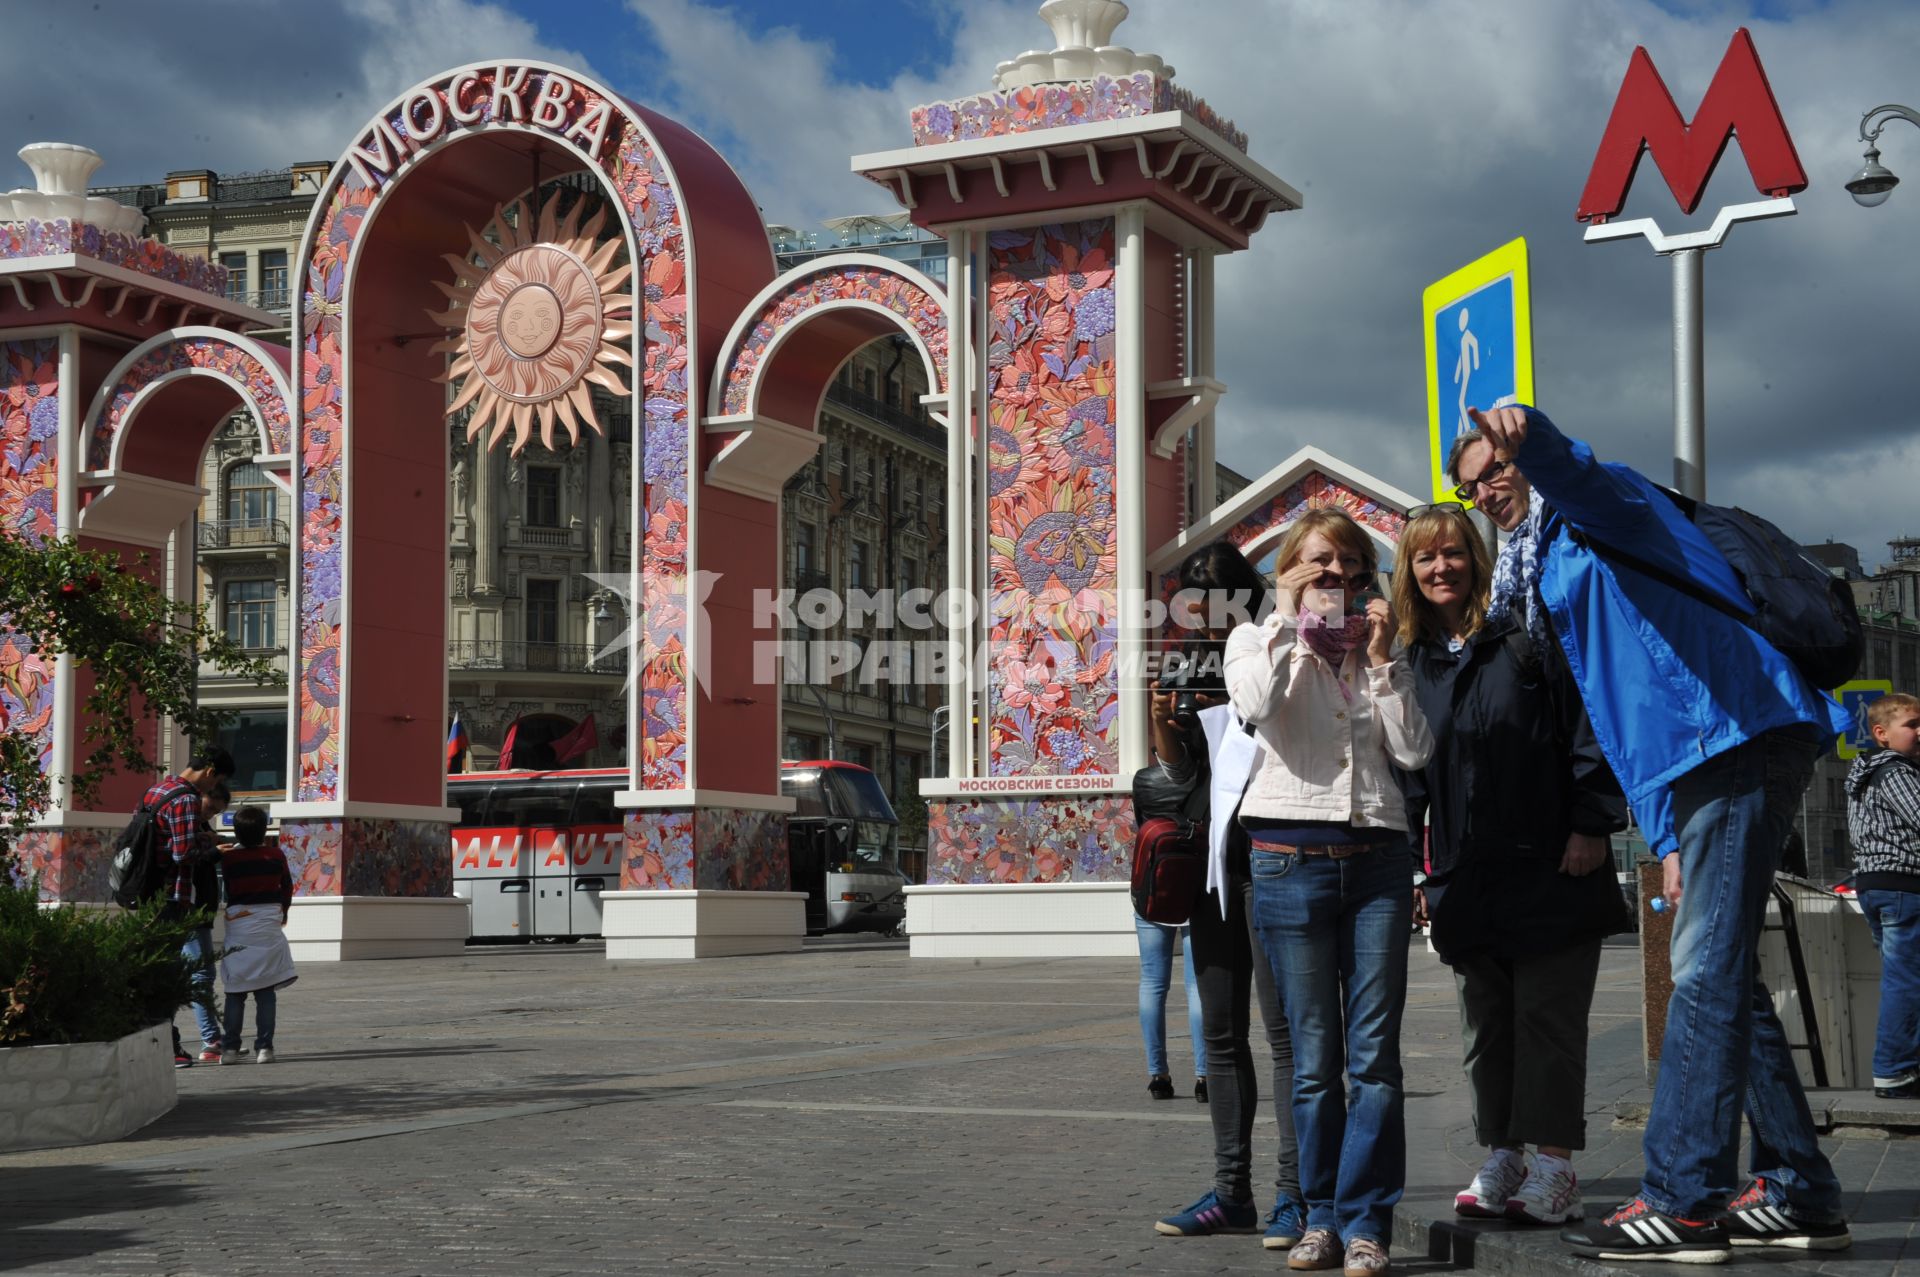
x=1422, y=134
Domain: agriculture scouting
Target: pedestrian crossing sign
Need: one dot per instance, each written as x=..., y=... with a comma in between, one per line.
x=1479, y=340
x=1854, y=698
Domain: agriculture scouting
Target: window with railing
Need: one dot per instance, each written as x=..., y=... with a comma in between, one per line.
x=273, y=279
x=858, y=560
x=250, y=613
x=251, y=497
x=543, y=496
x=806, y=551
x=236, y=266
x=543, y=611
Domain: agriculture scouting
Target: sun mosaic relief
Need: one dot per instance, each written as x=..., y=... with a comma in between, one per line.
x=540, y=322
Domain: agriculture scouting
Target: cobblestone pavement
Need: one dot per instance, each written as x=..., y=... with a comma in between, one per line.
x=543, y=1112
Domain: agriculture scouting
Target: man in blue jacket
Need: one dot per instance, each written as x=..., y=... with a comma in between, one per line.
x=1713, y=735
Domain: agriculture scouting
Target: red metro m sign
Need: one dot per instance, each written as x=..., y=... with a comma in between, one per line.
x=1738, y=102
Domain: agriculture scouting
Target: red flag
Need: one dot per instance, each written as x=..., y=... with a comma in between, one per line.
x=576, y=742
x=506, y=750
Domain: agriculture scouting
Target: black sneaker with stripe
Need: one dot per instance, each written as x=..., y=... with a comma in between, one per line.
x=1756, y=1219
x=1635, y=1230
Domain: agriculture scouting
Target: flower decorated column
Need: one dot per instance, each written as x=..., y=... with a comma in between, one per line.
x=118, y=357
x=1084, y=202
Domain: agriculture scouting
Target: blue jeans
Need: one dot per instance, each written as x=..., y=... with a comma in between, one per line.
x=1895, y=919
x=198, y=951
x=1335, y=933
x=1724, y=1049
x=1157, y=943
x=267, y=1002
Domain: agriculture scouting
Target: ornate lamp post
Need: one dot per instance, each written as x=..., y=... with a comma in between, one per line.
x=1871, y=186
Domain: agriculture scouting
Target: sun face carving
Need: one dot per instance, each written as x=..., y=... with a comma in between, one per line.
x=541, y=324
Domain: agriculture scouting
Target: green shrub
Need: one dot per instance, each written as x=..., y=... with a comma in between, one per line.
x=86, y=975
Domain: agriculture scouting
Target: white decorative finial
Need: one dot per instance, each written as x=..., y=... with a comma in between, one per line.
x=60, y=173
x=1081, y=31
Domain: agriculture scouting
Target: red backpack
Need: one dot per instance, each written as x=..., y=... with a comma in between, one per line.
x=1169, y=845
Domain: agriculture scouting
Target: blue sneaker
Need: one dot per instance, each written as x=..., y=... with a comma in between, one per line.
x=1211, y=1214
x=1285, y=1223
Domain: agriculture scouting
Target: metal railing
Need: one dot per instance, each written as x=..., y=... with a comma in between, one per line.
x=242, y=534
x=900, y=419
x=269, y=299
x=544, y=658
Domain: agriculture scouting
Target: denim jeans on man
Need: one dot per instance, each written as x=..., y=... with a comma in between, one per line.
x=1894, y=917
x=198, y=953
x=1335, y=931
x=1157, y=943
x=1724, y=1048
x=266, y=1002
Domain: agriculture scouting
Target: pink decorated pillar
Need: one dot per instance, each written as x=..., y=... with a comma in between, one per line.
x=1084, y=202
x=118, y=358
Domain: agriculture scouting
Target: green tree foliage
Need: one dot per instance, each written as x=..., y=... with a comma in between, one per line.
x=143, y=650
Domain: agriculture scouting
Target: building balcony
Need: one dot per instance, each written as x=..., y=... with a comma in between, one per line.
x=805, y=579
x=253, y=535
x=278, y=301
x=533, y=658
x=907, y=423
x=544, y=538
x=211, y=676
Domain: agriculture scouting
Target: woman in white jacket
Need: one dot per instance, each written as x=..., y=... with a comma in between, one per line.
x=1333, y=712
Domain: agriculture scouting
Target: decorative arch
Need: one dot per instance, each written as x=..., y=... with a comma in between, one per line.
x=820, y=312
x=633, y=152
x=847, y=281
x=257, y=372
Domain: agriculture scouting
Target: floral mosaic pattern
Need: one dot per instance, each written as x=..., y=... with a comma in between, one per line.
x=1052, y=536
x=916, y=307
x=653, y=208
x=659, y=851
x=1046, y=106
x=738, y=850
x=366, y=857
x=265, y=389
x=59, y=237
x=398, y=858
x=314, y=853
x=29, y=472
x=1312, y=492
x=71, y=863
x=1035, y=840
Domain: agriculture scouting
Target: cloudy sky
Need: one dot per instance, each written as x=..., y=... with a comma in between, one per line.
x=1422, y=132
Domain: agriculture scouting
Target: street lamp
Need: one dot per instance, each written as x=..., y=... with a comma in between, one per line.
x=1871, y=186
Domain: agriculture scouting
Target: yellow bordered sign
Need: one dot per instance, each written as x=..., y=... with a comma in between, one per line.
x=1854, y=698
x=1479, y=339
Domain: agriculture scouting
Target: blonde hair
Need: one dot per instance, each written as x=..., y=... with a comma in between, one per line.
x=1338, y=527
x=1419, y=619
x=1882, y=710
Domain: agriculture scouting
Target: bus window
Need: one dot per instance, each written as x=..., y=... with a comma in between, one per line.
x=856, y=792
x=472, y=802
x=531, y=806
x=594, y=806
x=803, y=785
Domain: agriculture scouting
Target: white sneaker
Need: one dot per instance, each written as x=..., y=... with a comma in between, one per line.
x=1550, y=1194
x=1498, y=1177
x=263, y=1056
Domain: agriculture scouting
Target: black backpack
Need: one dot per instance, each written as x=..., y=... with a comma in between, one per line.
x=1804, y=611
x=141, y=861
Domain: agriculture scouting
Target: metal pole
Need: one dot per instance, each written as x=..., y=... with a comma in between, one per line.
x=833, y=727
x=1689, y=376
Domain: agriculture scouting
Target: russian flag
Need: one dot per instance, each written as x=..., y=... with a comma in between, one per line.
x=456, y=745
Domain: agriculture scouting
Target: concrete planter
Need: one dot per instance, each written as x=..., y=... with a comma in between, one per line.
x=86, y=1093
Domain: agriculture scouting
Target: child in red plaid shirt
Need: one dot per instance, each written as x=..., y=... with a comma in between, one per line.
x=257, y=959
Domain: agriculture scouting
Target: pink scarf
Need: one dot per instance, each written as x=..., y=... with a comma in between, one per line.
x=1332, y=640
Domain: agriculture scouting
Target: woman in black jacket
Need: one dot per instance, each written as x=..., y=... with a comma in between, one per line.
x=1519, y=803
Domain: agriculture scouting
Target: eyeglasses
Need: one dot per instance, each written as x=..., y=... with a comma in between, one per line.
x=1465, y=491
x=1416, y=512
